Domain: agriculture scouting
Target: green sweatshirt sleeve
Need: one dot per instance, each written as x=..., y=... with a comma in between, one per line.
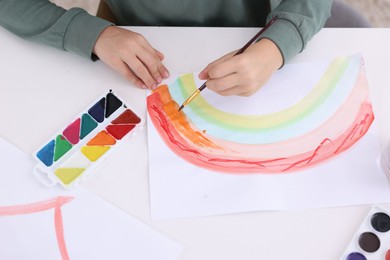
x=298, y=21
x=42, y=21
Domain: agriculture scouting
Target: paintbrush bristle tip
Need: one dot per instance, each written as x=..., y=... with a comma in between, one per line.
x=181, y=107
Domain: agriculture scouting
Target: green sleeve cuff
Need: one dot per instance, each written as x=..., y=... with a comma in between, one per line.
x=82, y=33
x=286, y=36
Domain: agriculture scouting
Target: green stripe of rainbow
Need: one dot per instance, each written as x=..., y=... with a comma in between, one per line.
x=313, y=100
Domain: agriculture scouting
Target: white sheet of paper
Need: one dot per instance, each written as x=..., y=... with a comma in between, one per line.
x=93, y=228
x=179, y=189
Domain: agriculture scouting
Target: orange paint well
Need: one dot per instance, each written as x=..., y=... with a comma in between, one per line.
x=102, y=138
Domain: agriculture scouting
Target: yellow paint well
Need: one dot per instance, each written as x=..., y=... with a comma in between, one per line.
x=94, y=152
x=67, y=175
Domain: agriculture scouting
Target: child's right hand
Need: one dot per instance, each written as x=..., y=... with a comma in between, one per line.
x=131, y=55
x=244, y=74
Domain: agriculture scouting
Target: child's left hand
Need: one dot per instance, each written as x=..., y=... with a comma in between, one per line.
x=243, y=74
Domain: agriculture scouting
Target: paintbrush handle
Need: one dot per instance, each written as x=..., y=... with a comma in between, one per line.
x=257, y=35
x=194, y=95
x=203, y=86
x=250, y=42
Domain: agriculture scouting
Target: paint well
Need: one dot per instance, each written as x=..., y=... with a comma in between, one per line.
x=119, y=131
x=387, y=257
x=380, y=222
x=356, y=256
x=127, y=117
x=97, y=110
x=72, y=132
x=62, y=146
x=369, y=242
x=46, y=154
x=88, y=124
x=93, y=153
x=77, y=160
x=102, y=138
x=112, y=104
x=68, y=175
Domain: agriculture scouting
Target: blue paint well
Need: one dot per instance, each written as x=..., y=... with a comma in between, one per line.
x=356, y=256
x=46, y=154
x=97, y=110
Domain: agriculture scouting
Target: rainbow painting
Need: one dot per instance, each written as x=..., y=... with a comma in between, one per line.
x=333, y=115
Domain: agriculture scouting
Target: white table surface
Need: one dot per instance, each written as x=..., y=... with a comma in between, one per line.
x=43, y=89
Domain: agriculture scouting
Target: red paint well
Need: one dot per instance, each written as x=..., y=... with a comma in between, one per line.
x=127, y=117
x=72, y=132
x=119, y=131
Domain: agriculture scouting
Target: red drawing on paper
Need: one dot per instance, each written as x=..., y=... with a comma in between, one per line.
x=56, y=204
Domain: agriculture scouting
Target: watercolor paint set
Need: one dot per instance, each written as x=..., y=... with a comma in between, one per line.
x=74, y=151
x=372, y=240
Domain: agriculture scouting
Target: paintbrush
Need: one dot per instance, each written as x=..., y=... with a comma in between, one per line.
x=254, y=38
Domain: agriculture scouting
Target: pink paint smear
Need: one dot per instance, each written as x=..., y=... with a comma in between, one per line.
x=56, y=204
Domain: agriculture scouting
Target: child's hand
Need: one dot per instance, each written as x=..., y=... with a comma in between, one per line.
x=246, y=73
x=131, y=55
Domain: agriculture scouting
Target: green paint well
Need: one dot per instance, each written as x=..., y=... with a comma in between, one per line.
x=88, y=124
x=62, y=146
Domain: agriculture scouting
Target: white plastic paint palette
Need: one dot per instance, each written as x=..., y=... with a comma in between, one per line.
x=372, y=240
x=71, y=154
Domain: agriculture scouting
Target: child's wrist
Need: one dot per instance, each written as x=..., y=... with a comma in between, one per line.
x=271, y=52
